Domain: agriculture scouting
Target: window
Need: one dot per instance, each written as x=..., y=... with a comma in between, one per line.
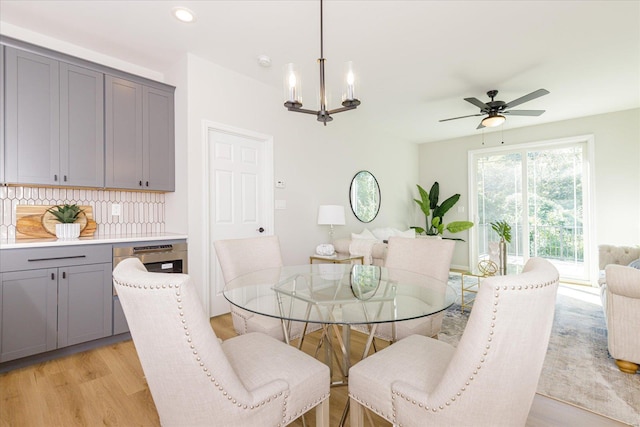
x=542, y=190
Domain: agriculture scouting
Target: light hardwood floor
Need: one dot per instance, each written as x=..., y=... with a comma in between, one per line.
x=106, y=386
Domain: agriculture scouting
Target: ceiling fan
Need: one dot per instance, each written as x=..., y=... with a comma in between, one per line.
x=495, y=110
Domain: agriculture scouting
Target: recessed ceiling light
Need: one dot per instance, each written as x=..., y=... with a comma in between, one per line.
x=183, y=14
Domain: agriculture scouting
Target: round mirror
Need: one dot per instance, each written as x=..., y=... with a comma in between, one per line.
x=364, y=195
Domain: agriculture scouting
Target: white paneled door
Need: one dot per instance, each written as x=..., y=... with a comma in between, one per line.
x=240, y=195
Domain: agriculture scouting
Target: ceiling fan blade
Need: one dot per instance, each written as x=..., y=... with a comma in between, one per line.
x=478, y=103
x=533, y=95
x=480, y=126
x=524, y=112
x=461, y=117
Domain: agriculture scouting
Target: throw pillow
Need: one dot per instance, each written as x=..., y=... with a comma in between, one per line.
x=366, y=234
x=635, y=264
x=410, y=233
x=383, y=234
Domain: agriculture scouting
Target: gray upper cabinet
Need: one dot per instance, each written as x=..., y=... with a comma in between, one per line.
x=158, y=139
x=71, y=122
x=139, y=130
x=123, y=133
x=2, y=180
x=81, y=126
x=54, y=122
x=32, y=97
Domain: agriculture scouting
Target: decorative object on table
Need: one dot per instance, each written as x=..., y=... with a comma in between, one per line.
x=36, y=222
x=325, y=249
x=331, y=215
x=66, y=215
x=487, y=267
x=503, y=229
x=364, y=196
x=293, y=91
x=435, y=212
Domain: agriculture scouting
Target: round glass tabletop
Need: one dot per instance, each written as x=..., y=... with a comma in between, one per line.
x=339, y=294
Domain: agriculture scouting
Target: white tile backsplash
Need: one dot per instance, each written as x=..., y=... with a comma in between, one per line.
x=140, y=211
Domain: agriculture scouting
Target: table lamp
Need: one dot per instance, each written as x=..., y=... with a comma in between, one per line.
x=331, y=215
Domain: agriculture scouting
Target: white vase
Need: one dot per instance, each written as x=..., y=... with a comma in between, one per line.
x=68, y=231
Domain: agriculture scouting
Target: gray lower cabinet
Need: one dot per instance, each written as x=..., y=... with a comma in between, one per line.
x=53, y=298
x=139, y=136
x=54, y=122
x=28, y=313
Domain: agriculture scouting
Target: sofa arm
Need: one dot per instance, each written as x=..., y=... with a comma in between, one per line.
x=623, y=281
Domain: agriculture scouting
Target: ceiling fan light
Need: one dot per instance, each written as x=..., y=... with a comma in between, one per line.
x=493, y=121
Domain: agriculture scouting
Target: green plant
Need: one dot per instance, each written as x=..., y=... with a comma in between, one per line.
x=435, y=212
x=66, y=214
x=503, y=229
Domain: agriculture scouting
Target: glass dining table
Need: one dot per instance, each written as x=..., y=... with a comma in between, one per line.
x=334, y=295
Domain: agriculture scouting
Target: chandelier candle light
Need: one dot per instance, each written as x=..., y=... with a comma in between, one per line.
x=293, y=93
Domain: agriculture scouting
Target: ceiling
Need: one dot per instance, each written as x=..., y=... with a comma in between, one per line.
x=415, y=60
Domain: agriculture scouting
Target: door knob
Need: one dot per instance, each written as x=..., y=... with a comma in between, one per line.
x=260, y=230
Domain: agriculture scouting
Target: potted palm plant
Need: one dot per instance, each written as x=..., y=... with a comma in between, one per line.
x=503, y=230
x=434, y=213
x=66, y=215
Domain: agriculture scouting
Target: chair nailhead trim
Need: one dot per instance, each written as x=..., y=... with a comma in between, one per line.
x=284, y=421
x=471, y=377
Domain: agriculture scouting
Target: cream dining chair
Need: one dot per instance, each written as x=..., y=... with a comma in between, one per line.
x=247, y=255
x=490, y=379
x=196, y=380
x=430, y=257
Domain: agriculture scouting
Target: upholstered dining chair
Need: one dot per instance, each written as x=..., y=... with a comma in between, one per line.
x=490, y=379
x=197, y=380
x=430, y=257
x=242, y=256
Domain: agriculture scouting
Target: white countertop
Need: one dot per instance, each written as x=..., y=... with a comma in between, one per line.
x=97, y=239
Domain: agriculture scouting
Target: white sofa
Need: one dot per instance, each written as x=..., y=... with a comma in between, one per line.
x=620, y=292
x=378, y=250
x=371, y=244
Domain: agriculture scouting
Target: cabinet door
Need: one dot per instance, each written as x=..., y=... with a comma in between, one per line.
x=84, y=303
x=28, y=313
x=32, y=118
x=123, y=133
x=158, y=139
x=1, y=114
x=81, y=127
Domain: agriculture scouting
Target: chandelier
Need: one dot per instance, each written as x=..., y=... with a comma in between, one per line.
x=293, y=93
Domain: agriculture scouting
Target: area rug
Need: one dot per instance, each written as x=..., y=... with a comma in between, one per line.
x=577, y=368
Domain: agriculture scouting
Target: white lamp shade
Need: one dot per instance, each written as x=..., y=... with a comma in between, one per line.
x=331, y=215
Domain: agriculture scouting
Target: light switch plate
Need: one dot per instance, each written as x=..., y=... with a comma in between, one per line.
x=280, y=183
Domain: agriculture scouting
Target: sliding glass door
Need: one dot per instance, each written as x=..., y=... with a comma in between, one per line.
x=541, y=190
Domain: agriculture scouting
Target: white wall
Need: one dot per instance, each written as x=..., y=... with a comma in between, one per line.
x=617, y=170
x=316, y=162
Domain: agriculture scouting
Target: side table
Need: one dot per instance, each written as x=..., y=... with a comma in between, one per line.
x=336, y=259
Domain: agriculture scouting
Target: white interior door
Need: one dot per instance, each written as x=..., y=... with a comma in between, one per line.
x=240, y=195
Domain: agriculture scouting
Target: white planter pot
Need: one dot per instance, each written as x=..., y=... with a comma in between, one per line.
x=68, y=231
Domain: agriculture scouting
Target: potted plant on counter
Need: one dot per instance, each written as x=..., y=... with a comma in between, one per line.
x=66, y=215
x=434, y=213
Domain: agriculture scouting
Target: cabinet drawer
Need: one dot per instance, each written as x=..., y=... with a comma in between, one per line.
x=53, y=257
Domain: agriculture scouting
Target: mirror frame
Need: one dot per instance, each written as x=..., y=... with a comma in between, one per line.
x=352, y=201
